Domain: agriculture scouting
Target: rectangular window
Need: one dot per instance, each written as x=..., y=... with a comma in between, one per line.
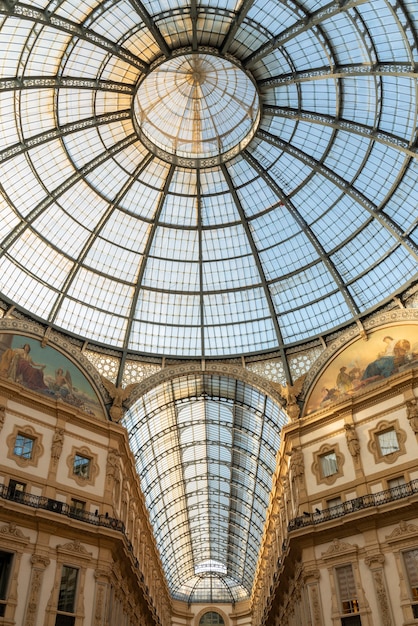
x=16, y=489
x=388, y=442
x=410, y=558
x=77, y=508
x=329, y=464
x=81, y=466
x=6, y=560
x=397, y=487
x=347, y=589
x=23, y=446
x=67, y=597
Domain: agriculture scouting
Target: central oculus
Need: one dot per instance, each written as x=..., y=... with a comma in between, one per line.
x=196, y=110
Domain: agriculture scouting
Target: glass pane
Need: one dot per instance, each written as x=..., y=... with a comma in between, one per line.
x=329, y=464
x=23, y=446
x=388, y=442
x=68, y=587
x=81, y=466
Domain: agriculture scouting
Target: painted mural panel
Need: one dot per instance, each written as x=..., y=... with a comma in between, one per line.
x=386, y=352
x=46, y=371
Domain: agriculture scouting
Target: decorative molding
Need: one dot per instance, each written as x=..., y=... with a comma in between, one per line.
x=85, y=452
x=37, y=448
x=74, y=549
x=218, y=369
x=373, y=444
x=11, y=532
x=403, y=531
x=338, y=548
x=316, y=465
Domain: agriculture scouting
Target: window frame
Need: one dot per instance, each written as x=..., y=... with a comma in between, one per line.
x=373, y=445
x=37, y=448
x=317, y=466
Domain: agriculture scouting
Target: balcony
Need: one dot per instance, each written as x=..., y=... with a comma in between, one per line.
x=356, y=504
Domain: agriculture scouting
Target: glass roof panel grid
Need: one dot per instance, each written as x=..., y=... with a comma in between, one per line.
x=379, y=173
x=306, y=50
x=78, y=318
x=315, y=198
x=298, y=290
x=115, y=69
x=35, y=297
x=224, y=308
x=13, y=35
x=266, y=15
x=168, y=274
x=212, y=26
x=87, y=58
x=74, y=104
x=350, y=46
x=254, y=191
x=101, y=292
x=73, y=10
x=283, y=95
x=312, y=139
x=83, y=146
x=217, y=210
x=116, y=21
x=180, y=210
x=54, y=225
x=304, y=322
x=363, y=250
x=228, y=340
x=111, y=101
x=181, y=340
x=113, y=260
x=361, y=99
x=40, y=62
x=401, y=207
x=347, y=154
x=23, y=197
x=339, y=223
x=289, y=256
x=40, y=260
x=396, y=269
x=248, y=39
x=226, y=274
x=394, y=116
x=388, y=38
x=8, y=123
x=176, y=32
x=176, y=244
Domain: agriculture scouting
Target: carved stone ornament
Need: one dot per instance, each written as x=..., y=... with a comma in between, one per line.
x=339, y=547
x=403, y=531
x=75, y=548
x=11, y=531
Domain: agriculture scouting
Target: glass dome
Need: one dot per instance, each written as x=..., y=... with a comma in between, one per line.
x=210, y=179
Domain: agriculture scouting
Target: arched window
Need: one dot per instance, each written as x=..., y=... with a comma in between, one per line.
x=211, y=618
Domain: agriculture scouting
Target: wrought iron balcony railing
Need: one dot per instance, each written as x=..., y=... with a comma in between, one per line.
x=362, y=502
x=62, y=508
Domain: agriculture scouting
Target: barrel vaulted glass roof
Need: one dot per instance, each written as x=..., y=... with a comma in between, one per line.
x=205, y=180
x=206, y=468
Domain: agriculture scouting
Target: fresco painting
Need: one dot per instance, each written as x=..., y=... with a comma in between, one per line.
x=386, y=352
x=46, y=371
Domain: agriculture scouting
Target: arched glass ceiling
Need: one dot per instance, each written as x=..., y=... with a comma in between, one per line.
x=205, y=450
x=284, y=206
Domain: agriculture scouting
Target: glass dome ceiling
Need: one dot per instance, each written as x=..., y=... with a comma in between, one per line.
x=207, y=179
